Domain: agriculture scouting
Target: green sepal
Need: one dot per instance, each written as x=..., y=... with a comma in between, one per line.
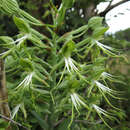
x=26, y=64
x=68, y=3
x=68, y=48
x=95, y=22
x=98, y=32
x=21, y=24
x=60, y=15
x=29, y=18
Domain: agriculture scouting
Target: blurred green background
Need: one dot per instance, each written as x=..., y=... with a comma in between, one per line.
x=76, y=17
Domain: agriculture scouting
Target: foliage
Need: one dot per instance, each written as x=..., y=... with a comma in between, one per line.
x=121, y=67
x=61, y=80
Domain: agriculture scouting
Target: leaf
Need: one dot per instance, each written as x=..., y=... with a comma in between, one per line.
x=41, y=122
x=22, y=25
x=68, y=47
x=15, y=110
x=26, y=64
x=36, y=41
x=12, y=4
x=3, y=124
x=68, y=3
x=99, y=32
x=60, y=15
x=64, y=124
x=40, y=90
x=29, y=18
x=22, y=107
x=40, y=68
x=35, y=33
x=9, y=6
x=6, y=39
x=95, y=22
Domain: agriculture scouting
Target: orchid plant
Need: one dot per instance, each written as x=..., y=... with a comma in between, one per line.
x=65, y=75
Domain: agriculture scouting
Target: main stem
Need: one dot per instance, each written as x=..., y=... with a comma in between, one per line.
x=4, y=107
x=53, y=83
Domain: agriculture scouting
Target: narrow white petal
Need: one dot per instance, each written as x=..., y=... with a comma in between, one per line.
x=21, y=39
x=73, y=67
x=100, y=110
x=104, y=46
x=74, y=102
x=67, y=64
x=104, y=88
x=76, y=98
x=27, y=80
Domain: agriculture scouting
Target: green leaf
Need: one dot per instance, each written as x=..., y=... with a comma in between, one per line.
x=68, y=3
x=35, y=33
x=3, y=124
x=22, y=25
x=60, y=15
x=40, y=90
x=64, y=124
x=10, y=6
x=95, y=22
x=26, y=64
x=98, y=32
x=36, y=41
x=22, y=107
x=41, y=122
x=15, y=110
x=6, y=39
x=68, y=48
x=40, y=68
x=29, y=18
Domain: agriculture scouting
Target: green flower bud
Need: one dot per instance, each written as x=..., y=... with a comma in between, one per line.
x=68, y=48
x=68, y=3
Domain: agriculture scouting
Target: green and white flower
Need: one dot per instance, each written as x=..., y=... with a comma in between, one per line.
x=107, y=49
x=70, y=65
x=20, y=40
x=77, y=101
x=27, y=81
x=99, y=110
x=104, y=88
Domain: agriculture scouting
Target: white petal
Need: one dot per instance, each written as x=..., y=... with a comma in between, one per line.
x=77, y=99
x=73, y=67
x=104, y=88
x=67, y=64
x=104, y=46
x=74, y=102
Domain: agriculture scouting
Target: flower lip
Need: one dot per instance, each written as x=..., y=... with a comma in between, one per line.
x=27, y=81
x=70, y=65
x=76, y=100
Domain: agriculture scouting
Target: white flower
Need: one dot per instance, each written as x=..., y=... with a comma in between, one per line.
x=27, y=81
x=105, y=113
x=70, y=65
x=111, y=77
x=21, y=39
x=105, y=89
x=100, y=110
x=103, y=46
x=106, y=75
x=107, y=49
x=77, y=101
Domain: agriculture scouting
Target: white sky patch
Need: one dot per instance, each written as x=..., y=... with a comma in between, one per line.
x=118, y=18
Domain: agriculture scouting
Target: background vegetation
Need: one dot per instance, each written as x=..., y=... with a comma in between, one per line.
x=37, y=111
